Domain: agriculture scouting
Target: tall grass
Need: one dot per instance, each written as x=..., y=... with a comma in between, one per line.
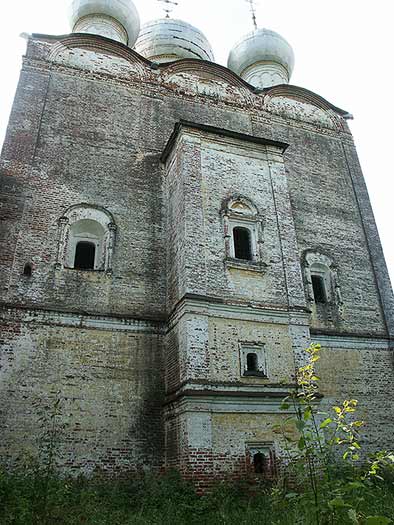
x=29, y=499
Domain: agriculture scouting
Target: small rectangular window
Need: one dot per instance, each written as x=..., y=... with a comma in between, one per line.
x=319, y=290
x=262, y=459
x=253, y=360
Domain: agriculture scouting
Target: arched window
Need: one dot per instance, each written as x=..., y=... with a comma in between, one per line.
x=85, y=245
x=259, y=463
x=242, y=233
x=84, y=255
x=242, y=243
x=27, y=270
x=86, y=239
x=262, y=459
x=319, y=289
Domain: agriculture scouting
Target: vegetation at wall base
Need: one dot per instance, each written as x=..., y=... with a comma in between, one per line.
x=321, y=480
x=26, y=499
x=324, y=457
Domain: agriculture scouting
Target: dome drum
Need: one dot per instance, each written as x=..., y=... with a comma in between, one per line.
x=102, y=25
x=166, y=40
x=115, y=19
x=263, y=58
x=266, y=74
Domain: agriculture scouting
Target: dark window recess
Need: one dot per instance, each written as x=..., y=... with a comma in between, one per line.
x=251, y=363
x=259, y=463
x=242, y=244
x=27, y=270
x=319, y=290
x=84, y=256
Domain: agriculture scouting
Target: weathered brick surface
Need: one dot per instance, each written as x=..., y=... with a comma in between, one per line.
x=214, y=446
x=147, y=357
x=109, y=382
x=328, y=219
x=366, y=374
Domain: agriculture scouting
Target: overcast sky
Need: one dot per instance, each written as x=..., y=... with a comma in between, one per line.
x=343, y=49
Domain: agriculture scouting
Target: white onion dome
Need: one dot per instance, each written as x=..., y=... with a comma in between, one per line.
x=116, y=19
x=167, y=39
x=263, y=58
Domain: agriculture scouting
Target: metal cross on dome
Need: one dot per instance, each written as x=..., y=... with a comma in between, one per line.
x=252, y=5
x=169, y=6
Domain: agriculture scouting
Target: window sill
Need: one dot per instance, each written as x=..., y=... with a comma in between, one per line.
x=98, y=271
x=87, y=270
x=240, y=264
x=319, y=304
x=255, y=374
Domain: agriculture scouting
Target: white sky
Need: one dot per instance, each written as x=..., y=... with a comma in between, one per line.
x=343, y=48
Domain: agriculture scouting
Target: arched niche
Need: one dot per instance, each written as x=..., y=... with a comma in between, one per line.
x=86, y=239
x=321, y=279
x=243, y=230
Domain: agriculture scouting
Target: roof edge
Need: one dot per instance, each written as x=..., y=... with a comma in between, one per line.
x=281, y=89
x=308, y=95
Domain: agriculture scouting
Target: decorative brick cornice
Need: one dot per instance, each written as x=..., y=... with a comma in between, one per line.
x=185, y=124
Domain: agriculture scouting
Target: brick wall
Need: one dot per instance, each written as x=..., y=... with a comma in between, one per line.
x=108, y=379
x=89, y=125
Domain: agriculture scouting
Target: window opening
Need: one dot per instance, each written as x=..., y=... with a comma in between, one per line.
x=27, y=270
x=259, y=462
x=251, y=362
x=242, y=244
x=84, y=256
x=319, y=290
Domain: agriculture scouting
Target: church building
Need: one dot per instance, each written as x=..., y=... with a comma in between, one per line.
x=174, y=233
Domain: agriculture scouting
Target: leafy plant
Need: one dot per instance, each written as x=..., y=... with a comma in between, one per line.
x=327, y=486
x=326, y=455
x=51, y=427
